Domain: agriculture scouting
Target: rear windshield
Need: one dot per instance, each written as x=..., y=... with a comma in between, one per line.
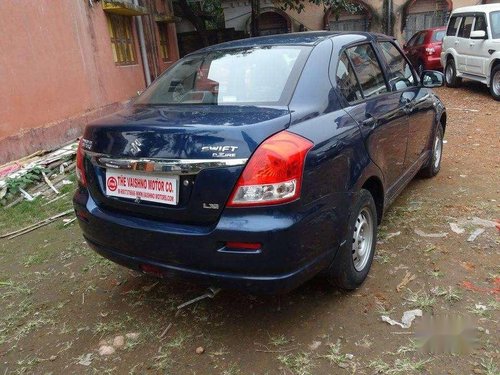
x=438, y=36
x=259, y=75
x=495, y=24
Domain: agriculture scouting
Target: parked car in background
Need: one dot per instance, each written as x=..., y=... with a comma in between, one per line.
x=471, y=47
x=424, y=49
x=258, y=163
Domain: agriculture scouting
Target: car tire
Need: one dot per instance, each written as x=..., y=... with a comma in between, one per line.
x=355, y=256
x=495, y=82
x=450, y=74
x=433, y=166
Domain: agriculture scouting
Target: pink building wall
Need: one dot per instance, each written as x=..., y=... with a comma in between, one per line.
x=57, y=72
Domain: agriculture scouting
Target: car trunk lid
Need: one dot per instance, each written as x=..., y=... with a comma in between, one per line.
x=192, y=155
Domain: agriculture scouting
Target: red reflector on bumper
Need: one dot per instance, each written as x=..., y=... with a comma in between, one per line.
x=243, y=245
x=152, y=270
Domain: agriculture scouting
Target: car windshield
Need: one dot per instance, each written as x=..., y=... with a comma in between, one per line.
x=258, y=75
x=495, y=24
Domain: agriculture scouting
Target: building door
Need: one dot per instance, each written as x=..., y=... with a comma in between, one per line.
x=425, y=14
x=349, y=22
x=271, y=23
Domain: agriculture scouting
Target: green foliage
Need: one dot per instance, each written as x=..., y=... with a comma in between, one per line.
x=214, y=9
x=336, y=6
x=33, y=175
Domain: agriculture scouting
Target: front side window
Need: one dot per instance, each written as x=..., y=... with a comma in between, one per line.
x=122, y=39
x=257, y=75
x=466, y=27
x=367, y=69
x=401, y=75
x=495, y=24
x=453, y=26
x=480, y=24
x=346, y=80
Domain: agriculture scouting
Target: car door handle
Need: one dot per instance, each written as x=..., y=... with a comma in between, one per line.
x=370, y=121
x=456, y=42
x=471, y=44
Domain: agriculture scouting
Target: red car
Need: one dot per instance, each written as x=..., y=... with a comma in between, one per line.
x=424, y=49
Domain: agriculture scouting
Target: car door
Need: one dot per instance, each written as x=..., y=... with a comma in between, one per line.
x=379, y=112
x=477, y=60
x=417, y=100
x=413, y=46
x=462, y=43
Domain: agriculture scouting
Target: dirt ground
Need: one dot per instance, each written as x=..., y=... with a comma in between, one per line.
x=60, y=303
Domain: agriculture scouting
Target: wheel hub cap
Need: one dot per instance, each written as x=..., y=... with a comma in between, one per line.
x=449, y=73
x=437, y=151
x=362, y=239
x=496, y=83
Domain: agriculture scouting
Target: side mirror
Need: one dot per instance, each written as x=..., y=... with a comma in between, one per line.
x=432, y=78
x=478, y=34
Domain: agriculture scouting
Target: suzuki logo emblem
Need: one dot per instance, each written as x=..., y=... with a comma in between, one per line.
x=135, y=147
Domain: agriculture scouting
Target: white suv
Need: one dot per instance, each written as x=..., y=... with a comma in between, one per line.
x=471, y=47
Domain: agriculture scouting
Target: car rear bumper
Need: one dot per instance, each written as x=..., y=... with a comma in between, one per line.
x=295, y=245
x=433, y=63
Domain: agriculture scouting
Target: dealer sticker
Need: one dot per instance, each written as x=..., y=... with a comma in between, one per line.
x=142, y=186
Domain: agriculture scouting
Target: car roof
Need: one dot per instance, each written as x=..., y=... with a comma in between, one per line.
x=307, y=38
x=477, y=8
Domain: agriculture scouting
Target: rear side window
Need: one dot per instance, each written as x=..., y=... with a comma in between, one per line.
x=412, y=40
x=367, y=70
x=466, y=27
x=438, y=36
x=453, y=26
x=420, y=40
x=401, y=76
x=346, y=80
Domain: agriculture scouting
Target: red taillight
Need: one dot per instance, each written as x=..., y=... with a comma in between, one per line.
x=80, y=168
x=243, y=245
x=274, y=172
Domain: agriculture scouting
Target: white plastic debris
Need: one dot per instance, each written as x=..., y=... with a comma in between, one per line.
x=430, y=235
x=475, y=234
x=482, y=222
x=456, y=228
x=390, y=235
x=85, y=360
x=480, y=306
x=407, y=319
x=106, y=350
x=26, y=195
x=315, y=345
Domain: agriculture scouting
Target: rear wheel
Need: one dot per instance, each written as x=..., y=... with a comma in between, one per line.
x=354, y=259
x=450, y=74
x=434, y=165
x=495, y=82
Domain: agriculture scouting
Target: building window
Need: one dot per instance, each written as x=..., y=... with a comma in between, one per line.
x=122, y=39
x=163, y=31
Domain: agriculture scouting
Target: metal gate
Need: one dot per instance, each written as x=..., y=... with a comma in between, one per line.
x=349, y=25
x=421, y=21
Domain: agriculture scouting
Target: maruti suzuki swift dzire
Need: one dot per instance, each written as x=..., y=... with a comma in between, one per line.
x=256, y=164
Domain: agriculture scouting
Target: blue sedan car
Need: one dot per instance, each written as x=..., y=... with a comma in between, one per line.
x=256, y=164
